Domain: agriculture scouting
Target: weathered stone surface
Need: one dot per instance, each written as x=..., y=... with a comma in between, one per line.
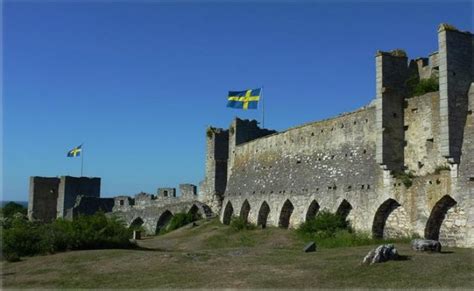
x=381, y=254
x=426, y=245
x=310, y=247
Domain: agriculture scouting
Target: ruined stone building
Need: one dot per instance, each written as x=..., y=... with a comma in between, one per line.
x=402, y=165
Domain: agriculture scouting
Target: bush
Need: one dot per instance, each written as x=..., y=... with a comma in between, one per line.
x=177, y=221
x=417, y=87
x=12, y=208
x=238, y=223
x=25, y=238
x=325, y=224
x=406, y=178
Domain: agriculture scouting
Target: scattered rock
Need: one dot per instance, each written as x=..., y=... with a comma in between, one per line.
x=311, y=247
x=236, y=253
x=426, y=245
x=381, y=254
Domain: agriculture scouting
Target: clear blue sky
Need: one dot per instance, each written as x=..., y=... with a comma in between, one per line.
x=138, y=83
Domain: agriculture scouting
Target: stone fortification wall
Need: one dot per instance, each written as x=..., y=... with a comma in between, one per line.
x=86, y=205
x=422, y=134
x=155, y=217
x=328, y=161
x=408, y=170
x=72, y=187
x=43, y=198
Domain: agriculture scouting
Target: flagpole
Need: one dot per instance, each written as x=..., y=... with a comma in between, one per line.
x=82, y=159
x=263, y=109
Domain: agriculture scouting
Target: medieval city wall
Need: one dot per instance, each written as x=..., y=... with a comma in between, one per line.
x=328, y=161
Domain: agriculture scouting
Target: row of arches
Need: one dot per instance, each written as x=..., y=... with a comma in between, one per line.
x=165, y=218
x=389, y=211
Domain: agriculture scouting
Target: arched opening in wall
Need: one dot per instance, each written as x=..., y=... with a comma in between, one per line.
x=195, y=212
x=285, y=214
x=228, y=212
x=136, y=223
x=263, y=215
x=163, y=221
x=344, y=209
x=438, y=213
x=381, y=216
x=312, y=210
x=245, y=210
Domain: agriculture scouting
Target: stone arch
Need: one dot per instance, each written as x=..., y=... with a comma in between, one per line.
x=438, y=213
x=344, y=208
x=136, y=223
x=163, y=221
x=263, y=214
x=285, y=214
x=245, y=210
x=381, y=216
x=312, y=210
x=195, y=212
x=228, y=212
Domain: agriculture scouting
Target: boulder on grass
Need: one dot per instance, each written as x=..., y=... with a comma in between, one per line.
x=381, y=254
x=426, y=245
x=310, y=247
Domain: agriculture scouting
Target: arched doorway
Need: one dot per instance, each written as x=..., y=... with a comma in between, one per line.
x=195, y=212
x=263, y=215
x=285, y=214
x=381, y=216
x=136, y=223
x=438, y=213
x=245, y=210
x=312, y=210
x=344, y=209
x=228, y=212
x=163, y=221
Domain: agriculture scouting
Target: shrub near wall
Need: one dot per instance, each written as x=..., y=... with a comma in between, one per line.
x=25, y=238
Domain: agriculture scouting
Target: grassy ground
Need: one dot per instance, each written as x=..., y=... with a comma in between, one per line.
x=213, y=256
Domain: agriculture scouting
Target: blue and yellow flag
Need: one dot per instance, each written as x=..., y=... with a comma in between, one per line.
x=247, y=99
x=75, y=152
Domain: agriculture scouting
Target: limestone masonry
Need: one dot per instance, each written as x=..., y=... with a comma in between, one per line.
x=399, y=166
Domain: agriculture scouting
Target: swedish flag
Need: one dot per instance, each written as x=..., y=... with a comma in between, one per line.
x=75, y=152
x=247, y=99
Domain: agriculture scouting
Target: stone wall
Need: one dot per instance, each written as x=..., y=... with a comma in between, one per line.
x=86, y=205
x=43, y=198
x=72, y=187
x=400, y=166
x=422, y=134
x=455, y=77
x=326, y=161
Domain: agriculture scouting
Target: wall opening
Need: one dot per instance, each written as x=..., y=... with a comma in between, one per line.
x=285, y=214
x=438, y=213
x=312, y=210
x=228, y=212
x=245, y=210
x=381, y=216
x=136, y=223
x=165, y=193
x=344, y=209
x=195, y=212
x=263, y=215
x=163, y=221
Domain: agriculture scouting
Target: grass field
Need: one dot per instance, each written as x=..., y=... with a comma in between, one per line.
x=212, y=255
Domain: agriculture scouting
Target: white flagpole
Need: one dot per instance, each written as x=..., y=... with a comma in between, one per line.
x=82, y=158
x=263, y=109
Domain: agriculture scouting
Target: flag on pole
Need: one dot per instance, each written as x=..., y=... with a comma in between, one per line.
x=247, y=99
x=75, y=152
